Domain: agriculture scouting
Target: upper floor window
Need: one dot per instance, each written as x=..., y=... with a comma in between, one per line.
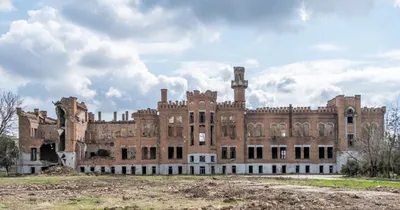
x=202, y=118
x=191, y=117
x=212, y=117
x=350, y=116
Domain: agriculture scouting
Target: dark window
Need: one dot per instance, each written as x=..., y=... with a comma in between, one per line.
x=297, y=169
x=321, y=169
x=223, y=169
x=260, y=169
x=123, y=169
x=283, y=169
x=202, y=170
x=306, y=152
x=179, y=153
x=350, y=139
x=133, y=170
x=170, y=170
x=170, y=152
x=191, y=117
x=103, y=169
x=283, y=152
x=144, y=170
x=202, y=118
x=331, y=169
x=191, y=135
x=274, y=169
x=212, y=117
x=179, y=169
x=113, y=170
x=124, y=153
x=202, y=158
x=145, y=151
x=212, y=170
x=170, y=130
x=153, y=170
x=250, y=169
x=82, y=169
x=153, y=153
x=297, y=152
x=259, y=152
x=33, y=154
x=92, y=169
x=233, y=152
x=212, y=159
x=191, y=169
x=321, y=152
x=350, y=120
x=330, y=152
x=251, y=152
x=191, y=158
x=224, y=153
x=274, y=152
x=33, y=170
x=212, y=135
x=307, y=169
x=233, y=169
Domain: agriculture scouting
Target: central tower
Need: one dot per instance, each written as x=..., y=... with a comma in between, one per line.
x=239, y=84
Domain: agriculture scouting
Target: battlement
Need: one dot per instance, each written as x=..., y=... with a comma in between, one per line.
x=231, y=105
x=326, y=110
x=145, y=112
x=268, y=110
x=239, y=69
x=294, y=110
x=374, y=109
x=173, y=105
x=197, y=93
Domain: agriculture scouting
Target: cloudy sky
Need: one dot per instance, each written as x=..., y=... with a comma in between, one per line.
x=117, y=55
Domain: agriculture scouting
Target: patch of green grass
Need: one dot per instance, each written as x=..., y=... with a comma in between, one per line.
x=342, y=183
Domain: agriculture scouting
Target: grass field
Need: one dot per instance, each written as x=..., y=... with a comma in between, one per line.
x=180, y=192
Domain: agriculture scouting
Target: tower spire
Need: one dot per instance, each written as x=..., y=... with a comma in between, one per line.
x=239, y=84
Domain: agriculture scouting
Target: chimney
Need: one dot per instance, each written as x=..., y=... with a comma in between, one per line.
x=115, y=116
x=99, y=116
x=91, y=117
x=126, y=115
x=19, y=110
x=123, y=117
x=36, y=111
x=164, y=94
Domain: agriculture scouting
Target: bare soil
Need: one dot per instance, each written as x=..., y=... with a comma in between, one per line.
x=236, y=192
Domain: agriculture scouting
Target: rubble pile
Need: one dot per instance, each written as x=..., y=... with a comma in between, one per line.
x=60, y=170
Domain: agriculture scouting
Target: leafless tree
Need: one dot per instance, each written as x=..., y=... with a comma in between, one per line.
x=392, y=124
x=8, y=118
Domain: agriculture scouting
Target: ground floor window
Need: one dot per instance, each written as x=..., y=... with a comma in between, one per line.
x=274, y=169
x=82, y=169
x=170, y=170
x=191, y=170
x=133, y=170
x=331, y=169
x=103, y=169
x=321, y=169
x=307, y=169
x=144, y=170
x=233, y=169
x=260, y=169
x=179, y=169
x=153, y=170
x=212, y=169
x=202, y=170
x=250, y=169
x=123, y=169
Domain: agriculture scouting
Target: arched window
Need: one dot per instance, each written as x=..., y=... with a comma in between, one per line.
x=350, y=115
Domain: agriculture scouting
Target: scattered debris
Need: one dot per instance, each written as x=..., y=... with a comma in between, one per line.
x=59, y=170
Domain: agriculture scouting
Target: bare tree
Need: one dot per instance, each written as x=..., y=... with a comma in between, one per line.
x=8, y=105
x=392, y=135
x=8, y=152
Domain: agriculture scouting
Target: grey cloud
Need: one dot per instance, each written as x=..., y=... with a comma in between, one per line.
x=323, y=94
x=100, y=59
x=282, y=85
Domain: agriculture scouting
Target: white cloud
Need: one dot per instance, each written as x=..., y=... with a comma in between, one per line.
x=113, y=92
x=393, y=55
x=396, y=3
x=252, y=63
x=325, y=47
x=6, y=5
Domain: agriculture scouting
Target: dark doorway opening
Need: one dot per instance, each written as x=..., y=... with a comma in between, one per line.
x=61, y=146
x=48, y=152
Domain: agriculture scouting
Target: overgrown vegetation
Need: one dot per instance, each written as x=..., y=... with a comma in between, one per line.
x=8, y=124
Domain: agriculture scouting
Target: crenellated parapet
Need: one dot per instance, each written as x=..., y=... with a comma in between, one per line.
x=196, y=94
x=326, y=110
x=145, y=113
x=231, y=105
x=172, y=105
x=282, y=110
x=268, y=110
x=373, y=109
x=302, y=109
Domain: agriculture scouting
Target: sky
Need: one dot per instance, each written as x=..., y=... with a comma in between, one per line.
x=117, y=55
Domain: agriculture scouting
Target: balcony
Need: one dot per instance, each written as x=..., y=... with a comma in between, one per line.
x=240, y=83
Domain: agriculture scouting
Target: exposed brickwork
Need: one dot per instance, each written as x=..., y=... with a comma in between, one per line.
x=184, y=124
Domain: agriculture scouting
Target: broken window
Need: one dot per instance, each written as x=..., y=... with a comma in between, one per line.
x=132, y=153
x=103, y=169
x=274, y=169
x=212, y=135
x=202, y=139
x=274, y=130
x=224, y=129
x=306, y=152
x=191, y=135
x=233, y=169
x=283, y=169
x=179, y=169
x=123, y=169
x=350, y=139
x=259, y=152
x=331, y=169
x=330, y=152
x=283, y=152
x=212, y=159
x=306, y=129
x=202, y=117
x=307, y=169
x=191, y=117
x=297, y=169
x=251, y=152
x=170, y=131
x=297, y=152
x=153, y=153
x=274, y=152
x=179, y=153
x=321, y=152
x=171, y=120
x=233, y=152
x=124, y=153
x=192, y=170
x=82, y=169
x=33, y=154
x=202, y=158
x=232, y=131
x=350, y=120
x=321, y=129
x=250, y=169
x=297, y=130
x=212, y=117
x=133, y=170
x=113, y=170
x=179, y=131
x=170, y=152
x=260, y=169
x=145, y=152
x=224, y=153
x=144, y=170
x=153, y=170
x=223, y=169
x=191, y=158
x=250, y=130
x=283, y=129
x=321, y=169
x=170, y=170
x=212, y=169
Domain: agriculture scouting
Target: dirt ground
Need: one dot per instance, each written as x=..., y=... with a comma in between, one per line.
x=134, y=192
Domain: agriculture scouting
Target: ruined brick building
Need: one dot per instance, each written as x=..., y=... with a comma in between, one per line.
x=197, y=136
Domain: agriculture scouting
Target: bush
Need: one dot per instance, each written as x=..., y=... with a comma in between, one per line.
x=351, y=168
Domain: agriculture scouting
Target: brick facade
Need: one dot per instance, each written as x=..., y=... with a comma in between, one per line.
x=197, y=136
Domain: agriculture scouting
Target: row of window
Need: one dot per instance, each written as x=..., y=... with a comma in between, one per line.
x=202, y=117
x=124, y=169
